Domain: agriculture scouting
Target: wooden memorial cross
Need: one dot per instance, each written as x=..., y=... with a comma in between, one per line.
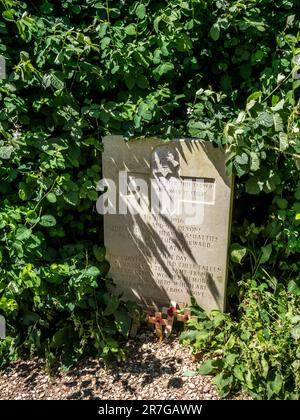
x=159, y=321
x=185, y=317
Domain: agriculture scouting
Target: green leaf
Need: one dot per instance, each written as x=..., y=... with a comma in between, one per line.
x=265, y=119
x=145, y=112
x=141, y=11
x=130, y=81
x=207, y=367
x=5, y=152
x=295, y=332
x=112, y=304
x=223, y=380
x=294, y=287
x=71, y=197
x=265, y=367
x=18, y=248
x=282, y=203
x=183, y=43
x=242, y=159
x=99, y=252
x=130, y=29
x=57, y=80
x=47, y=220
x=23, y=233
x=254, y=185
x=255, y=161
x=8, y=15
x=215, y=32
x=60, y=338
x=278, y=123
x=238, y=373
x=237, y=253
x=163, y=69
x=189, y=373
x=189, y=335
x=266, y=253
x=275, y=385
x=278, y=106
x=283, y=141
x=123, y=322
x=51, y=197
x=92, y=271
x=254, y=96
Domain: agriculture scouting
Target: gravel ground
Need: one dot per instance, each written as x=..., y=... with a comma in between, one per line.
x=153, y=370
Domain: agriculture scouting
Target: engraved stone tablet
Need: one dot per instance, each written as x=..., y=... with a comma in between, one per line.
x=166, y=220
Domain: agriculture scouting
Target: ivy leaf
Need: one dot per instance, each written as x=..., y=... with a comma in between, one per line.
x=274, y=386
x=51, y=197
x=278, y=123
x=162, y=69
x=141, y=11
x=145, y=113
x=57, y=80
x=283, y=141
x=242, y=159
x=5, y=152
x=71, y=197
x=130, y=81
x=271, y=182
x=8, y=15
x=92, y=271
x=266, y=253
x=278, y=106
x=237, y=253
x=265, y=119
x=294, y=287
x=215, y=32
x=254, y=185
x=183, y=43
x=23, y=233
x=99, y=252
x=189, y=335
x=255, y=161
x=208, y=366
x=47, y=220
x=238, y=373
x=60, y=338
x=282, y=203
x=123, y=322
x=130, y=29
x=189, y=373
x=112, y=304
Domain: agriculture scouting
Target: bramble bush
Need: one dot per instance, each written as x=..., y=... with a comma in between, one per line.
x=224, y=71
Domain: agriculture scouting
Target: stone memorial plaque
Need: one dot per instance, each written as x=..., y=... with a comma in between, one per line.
x=167, y=213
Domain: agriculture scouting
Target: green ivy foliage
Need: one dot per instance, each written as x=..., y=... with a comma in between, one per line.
x=226, y=71
x=258, y=351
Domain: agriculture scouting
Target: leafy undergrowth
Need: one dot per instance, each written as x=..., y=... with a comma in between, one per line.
x=64, y=324
x=258, y=350
x=76, y=71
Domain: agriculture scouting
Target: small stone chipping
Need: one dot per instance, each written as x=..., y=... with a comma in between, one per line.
x=153, y=370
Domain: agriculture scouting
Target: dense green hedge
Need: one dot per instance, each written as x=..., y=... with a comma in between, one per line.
x=224, y=71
